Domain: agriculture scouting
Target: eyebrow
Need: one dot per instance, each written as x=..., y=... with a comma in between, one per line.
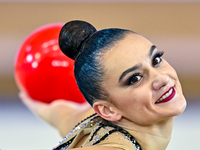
x=153, y=47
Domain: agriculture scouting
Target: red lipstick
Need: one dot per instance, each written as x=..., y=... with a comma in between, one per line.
x=167, y=98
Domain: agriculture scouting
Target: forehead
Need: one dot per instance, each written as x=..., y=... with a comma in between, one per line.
x=133, y=49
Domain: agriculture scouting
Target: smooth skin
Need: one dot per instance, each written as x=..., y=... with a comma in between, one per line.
x=132, y=96
x=133, y=105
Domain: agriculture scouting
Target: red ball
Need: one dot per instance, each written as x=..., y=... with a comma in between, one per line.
x=43, y=71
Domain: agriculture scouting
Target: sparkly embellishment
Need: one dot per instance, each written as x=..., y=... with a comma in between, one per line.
x=97, y=134
x=63, y=145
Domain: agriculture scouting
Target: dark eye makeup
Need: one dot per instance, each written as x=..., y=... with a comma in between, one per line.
x=135, y=78
x=157, y=58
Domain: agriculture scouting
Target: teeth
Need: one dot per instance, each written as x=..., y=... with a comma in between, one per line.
x=170, y=92
x=165, y=96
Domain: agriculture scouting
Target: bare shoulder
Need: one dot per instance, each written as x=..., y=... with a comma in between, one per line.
x=97, y=148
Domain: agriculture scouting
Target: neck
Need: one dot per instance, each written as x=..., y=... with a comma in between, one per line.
x=151, y=137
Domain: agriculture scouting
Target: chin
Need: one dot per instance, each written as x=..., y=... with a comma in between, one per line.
x=180, y=106
x=181, y=102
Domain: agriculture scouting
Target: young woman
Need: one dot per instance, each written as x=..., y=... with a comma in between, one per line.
x=133, y=91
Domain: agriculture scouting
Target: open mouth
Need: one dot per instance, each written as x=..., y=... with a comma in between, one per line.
x=167, y=96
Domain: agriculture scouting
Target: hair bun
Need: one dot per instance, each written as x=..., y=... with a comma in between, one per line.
x=72, y=36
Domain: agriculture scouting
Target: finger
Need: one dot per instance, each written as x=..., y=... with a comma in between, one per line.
x=33, y=105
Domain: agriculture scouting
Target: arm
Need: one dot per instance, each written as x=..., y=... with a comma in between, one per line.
x=97, y=148
x=61, y=114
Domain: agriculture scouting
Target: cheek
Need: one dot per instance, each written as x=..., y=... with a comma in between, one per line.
x=173, y=75
x=132, y=99
x=171, y=71
x=139, y=109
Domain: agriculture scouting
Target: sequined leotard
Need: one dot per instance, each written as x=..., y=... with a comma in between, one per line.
x=99, y=134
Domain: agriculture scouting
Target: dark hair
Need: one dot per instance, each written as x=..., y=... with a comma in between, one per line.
x=80, y=41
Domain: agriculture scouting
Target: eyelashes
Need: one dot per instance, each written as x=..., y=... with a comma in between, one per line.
x=136, y=77
x=157, y=58
x=158, y=54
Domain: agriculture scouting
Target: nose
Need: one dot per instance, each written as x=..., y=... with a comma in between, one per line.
x=160, y=79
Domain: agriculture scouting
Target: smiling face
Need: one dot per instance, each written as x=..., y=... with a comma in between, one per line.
x=142, y=86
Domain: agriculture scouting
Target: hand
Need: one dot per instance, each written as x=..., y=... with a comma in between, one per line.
x=60, y=113
x=41, y=109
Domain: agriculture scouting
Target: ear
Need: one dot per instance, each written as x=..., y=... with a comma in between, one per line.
x=107, y=111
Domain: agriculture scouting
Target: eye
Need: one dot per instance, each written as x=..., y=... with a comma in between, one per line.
x=157, y=58
x=156, y=61
x=135, y=78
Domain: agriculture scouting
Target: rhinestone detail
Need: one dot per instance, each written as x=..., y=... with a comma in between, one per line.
x=63, y=145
